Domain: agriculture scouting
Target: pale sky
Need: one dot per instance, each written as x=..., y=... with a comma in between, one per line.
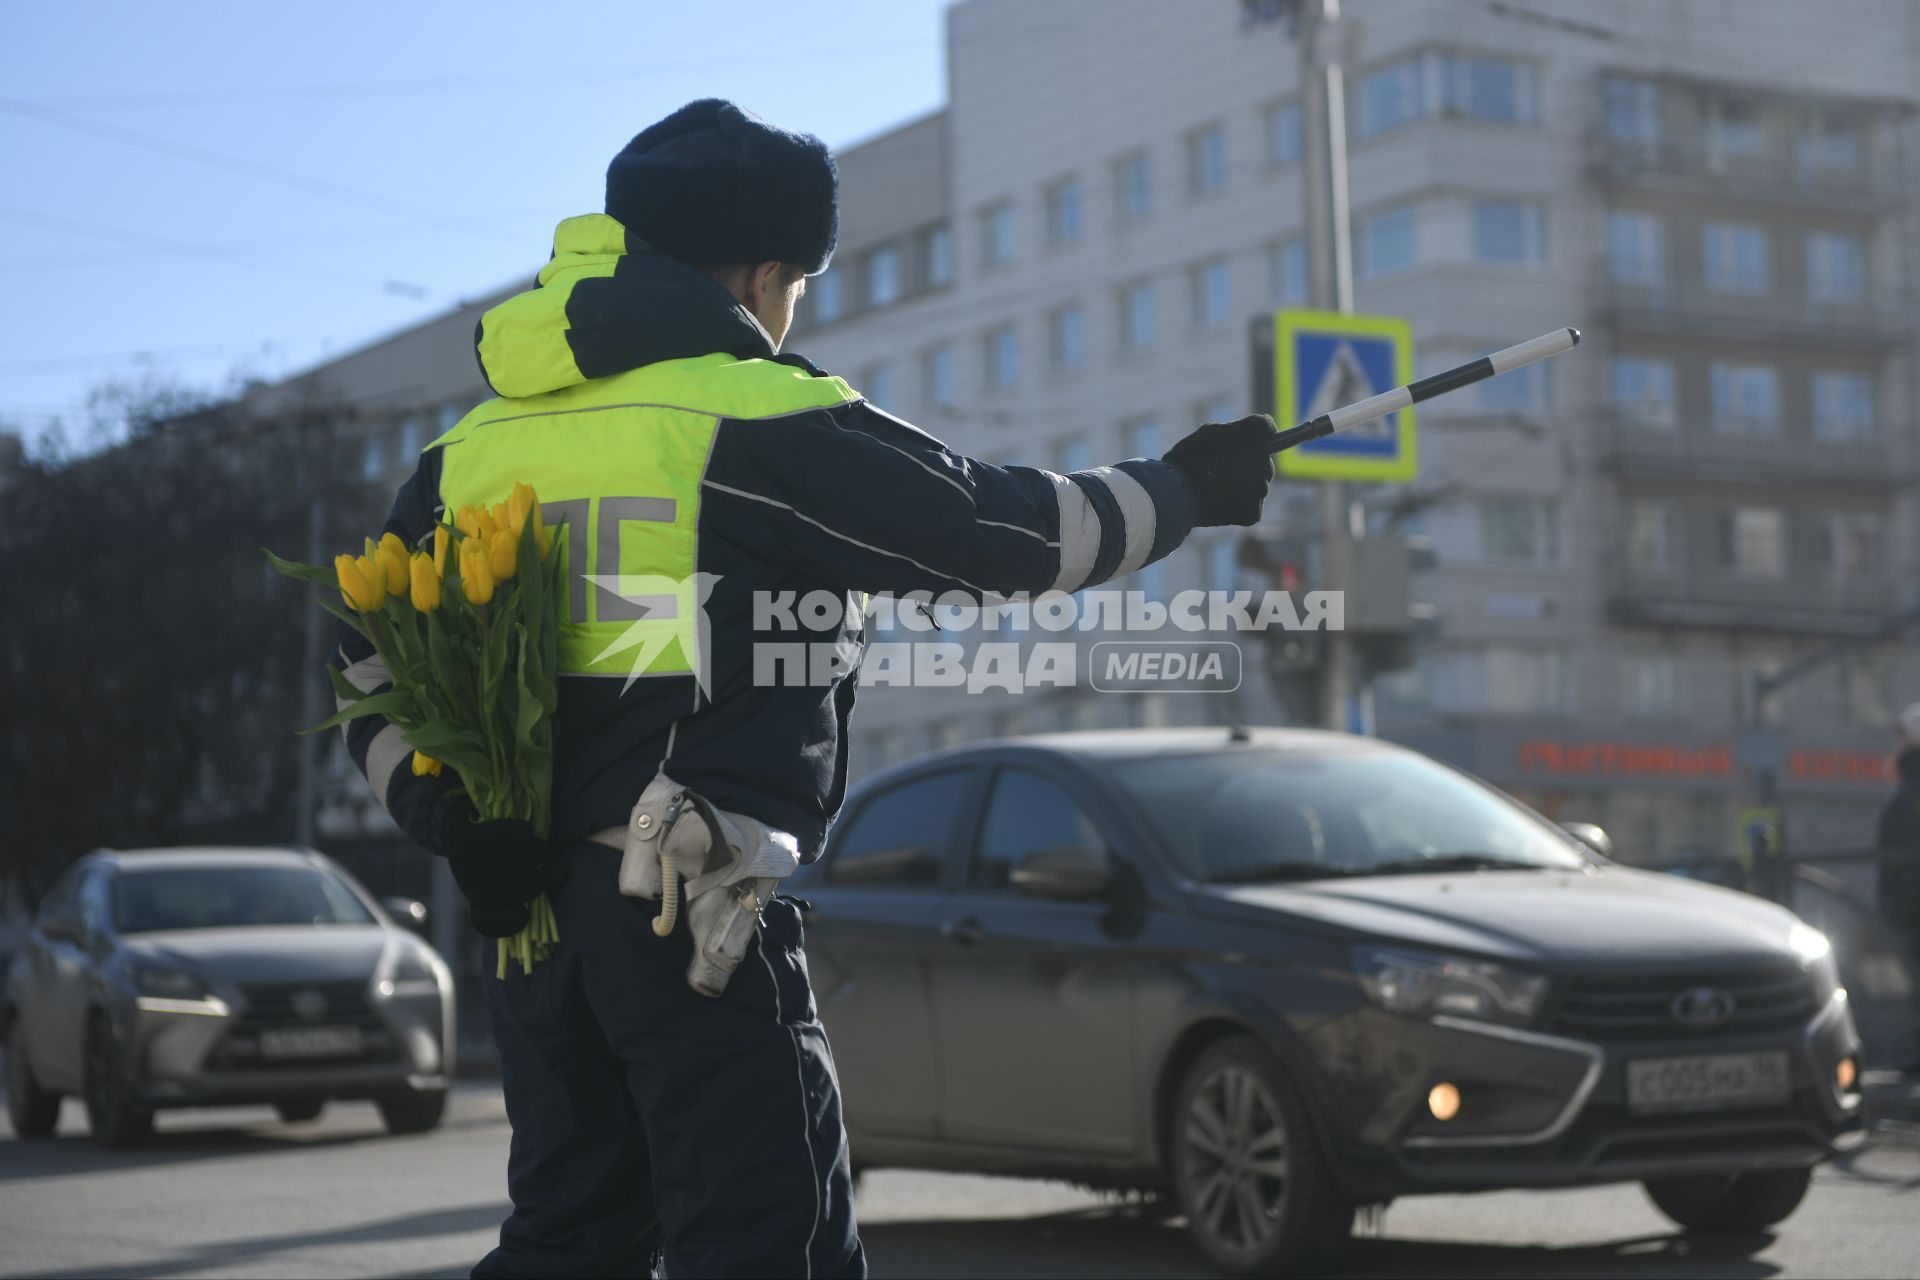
x=257, y=187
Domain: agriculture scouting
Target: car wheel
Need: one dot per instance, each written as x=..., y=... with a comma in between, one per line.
x=1733, y=1203
x=112, y=1114
x=31, y=1110
x=300, y=1110
x=414, y=1111
x=1248, y=1169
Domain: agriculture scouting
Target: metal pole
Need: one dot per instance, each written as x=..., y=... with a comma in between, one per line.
x=310, y=690
x=1329, y=243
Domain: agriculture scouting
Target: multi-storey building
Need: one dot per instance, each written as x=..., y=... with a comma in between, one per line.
x=1061, y=268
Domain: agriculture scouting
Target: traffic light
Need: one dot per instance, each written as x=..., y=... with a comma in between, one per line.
x=1292, y=659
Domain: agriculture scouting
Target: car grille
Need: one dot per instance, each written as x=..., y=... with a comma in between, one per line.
x=1639, y=1006
x=273, y=1003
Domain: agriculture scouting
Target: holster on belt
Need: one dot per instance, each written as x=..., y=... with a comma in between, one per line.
x=728, y=865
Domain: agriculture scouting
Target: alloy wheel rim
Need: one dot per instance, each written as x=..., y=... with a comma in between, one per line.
x=1236, y=1160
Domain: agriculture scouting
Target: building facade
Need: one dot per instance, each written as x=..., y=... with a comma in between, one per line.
x=1063, y=266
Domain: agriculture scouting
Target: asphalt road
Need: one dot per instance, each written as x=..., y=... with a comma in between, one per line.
x=235, y=1193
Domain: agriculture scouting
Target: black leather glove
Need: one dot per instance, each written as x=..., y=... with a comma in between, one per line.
x=1227, y=467
x=499, y=864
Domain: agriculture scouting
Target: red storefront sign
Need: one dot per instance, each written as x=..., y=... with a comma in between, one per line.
x=1713, y=760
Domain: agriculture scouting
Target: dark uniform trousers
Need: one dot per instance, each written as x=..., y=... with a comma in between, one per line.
x=646, y=1116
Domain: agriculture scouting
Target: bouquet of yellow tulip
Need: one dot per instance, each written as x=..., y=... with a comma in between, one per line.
x=466, y=623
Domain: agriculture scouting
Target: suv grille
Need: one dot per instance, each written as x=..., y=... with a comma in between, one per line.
x=273, y=1003
x=1776, y=996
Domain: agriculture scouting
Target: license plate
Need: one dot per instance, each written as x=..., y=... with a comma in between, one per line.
x=1706, y=1083
x=311, y=1042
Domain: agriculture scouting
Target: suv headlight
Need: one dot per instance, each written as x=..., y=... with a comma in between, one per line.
x=1425, y=984
x=408, y=971
x=1816, y=958
x=161, y=988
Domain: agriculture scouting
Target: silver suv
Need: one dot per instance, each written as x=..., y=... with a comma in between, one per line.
x=202, y=977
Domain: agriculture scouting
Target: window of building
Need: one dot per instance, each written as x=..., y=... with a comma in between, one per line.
x=1746, y=397
x=1650, y=685
x=1630, y=110
x=1652, y=536
x=1869, y=691
x=1136, y=316
x=1215, y=409
x=828, y=303
x=1636, y=249
x=883, y=277
x=1208, y=285
x=1067, y=337
x=1753, y=542
x=411, y=438
x=878, y=384
x=1509, y=231
x=1528, y=389
x=1853, y=545
x=1206, y=160
x=1026, y=814
x=1736, y=257
x=1132, y=186
x=373, y=457
x=1836, y=267
x=1287, y=271
x=898, y=840
x=936, y=375
x=1387, y=242
x=1281, y=122
x=1140, y=438
x=1470, y=86
x=936, y=256
x=1643, y=391
x=1002, y=357
x=1519, y=530
x=1735, y=130
x=1072, y=453
x=1522, y=681
x=996, y=233
x=1842, y=405
x=1063, y=210
x=1825, y=147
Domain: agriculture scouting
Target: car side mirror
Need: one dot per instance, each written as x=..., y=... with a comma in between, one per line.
x=1064, y=872
x=1591, y=835
x=63, y=928
x=407, y=913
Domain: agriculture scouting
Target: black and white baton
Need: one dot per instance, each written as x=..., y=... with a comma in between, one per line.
x=1352, y=415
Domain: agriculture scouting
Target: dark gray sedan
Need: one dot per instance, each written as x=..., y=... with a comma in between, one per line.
x=196, y=977
x=1284, y=974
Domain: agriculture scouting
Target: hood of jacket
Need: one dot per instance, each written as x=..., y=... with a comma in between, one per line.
x=608, y=302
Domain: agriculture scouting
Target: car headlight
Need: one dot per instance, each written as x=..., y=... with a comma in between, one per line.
x=168, y=983
x=408, y=971
x=1816, y=958
x=1424, y=984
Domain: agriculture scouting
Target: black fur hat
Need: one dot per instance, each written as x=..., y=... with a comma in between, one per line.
x=714, y=184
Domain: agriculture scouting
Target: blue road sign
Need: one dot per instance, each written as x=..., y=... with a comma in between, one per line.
x=1324, y=359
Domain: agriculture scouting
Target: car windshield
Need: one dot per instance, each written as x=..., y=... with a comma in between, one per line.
x=1250, y=815
x=232, y=897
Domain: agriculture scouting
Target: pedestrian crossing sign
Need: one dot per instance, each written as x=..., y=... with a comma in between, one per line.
x=1325, y=359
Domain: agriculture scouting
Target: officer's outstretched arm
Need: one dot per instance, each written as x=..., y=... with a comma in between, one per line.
x=871, y=503
x=417, y=804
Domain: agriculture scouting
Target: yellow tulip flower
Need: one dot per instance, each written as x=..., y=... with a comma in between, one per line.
x=503, y=554
x=354, y=588
x=376, y=578
x=501, y=519
x=520, y=504
x=426, y=766
x=463, y=520
x=476, y=573
x=441, y=537
x=425, y=582
x=392, y=559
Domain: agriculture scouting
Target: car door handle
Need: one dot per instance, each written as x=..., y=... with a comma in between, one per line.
x=966, y=931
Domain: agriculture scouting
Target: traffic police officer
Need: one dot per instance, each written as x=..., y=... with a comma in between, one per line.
x=641, y=390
